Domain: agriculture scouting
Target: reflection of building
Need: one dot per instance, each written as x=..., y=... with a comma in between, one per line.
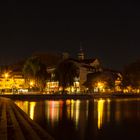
x=102, y=112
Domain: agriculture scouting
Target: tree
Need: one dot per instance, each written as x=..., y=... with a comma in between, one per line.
x=66, y=71
x=106, y=78
x=34, y=70
x=42, y=77
x=131, y=75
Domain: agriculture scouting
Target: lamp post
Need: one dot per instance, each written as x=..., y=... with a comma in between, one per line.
x=31, y=84
x=6, y=75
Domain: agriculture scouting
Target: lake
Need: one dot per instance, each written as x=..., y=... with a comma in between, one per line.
x=96, y=119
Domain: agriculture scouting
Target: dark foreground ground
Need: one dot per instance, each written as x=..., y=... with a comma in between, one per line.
x=16, y=125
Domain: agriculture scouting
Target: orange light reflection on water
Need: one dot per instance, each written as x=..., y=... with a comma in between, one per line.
x=27, y=107
x=32, y=109
x=100, y=105
x=53, y=111
x=23, y=105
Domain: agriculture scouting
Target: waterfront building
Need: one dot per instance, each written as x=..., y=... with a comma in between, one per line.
x=104, y=81
x=88, y=68
x=85, y=66
x=11, y=81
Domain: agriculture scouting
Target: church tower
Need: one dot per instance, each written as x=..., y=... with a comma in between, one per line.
x=81, y=55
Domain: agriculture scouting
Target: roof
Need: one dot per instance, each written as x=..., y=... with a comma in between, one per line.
x=86, y=61
x=49, y=59
x=88, y=66
x=108, y=74
x=111, y=70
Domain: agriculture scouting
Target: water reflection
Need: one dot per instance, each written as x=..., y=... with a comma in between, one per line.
x=100, y=104
x=73, y=110
x=31, y=109
x=27, y=107
x=84, y=119
x=53, y=111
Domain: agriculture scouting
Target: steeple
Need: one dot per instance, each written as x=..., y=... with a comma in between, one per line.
x=81, y=55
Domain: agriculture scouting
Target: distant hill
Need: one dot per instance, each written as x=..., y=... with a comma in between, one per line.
x=47, y=58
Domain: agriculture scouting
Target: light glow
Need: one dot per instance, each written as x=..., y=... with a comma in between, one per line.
x=32, y=108
x=6, y=75
x=100, y=105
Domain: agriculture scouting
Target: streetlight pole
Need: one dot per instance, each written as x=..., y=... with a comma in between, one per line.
x=6, y=75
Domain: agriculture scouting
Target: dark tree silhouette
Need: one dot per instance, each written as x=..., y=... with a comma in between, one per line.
x=33, y=69
x=66, y=71
x=106, y=77
x=131, y=75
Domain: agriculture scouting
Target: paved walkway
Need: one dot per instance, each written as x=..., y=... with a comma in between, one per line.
x=16, y=125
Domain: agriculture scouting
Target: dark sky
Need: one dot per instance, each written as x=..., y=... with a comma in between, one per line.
x=109, y=31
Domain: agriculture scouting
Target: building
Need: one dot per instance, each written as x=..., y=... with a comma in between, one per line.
x=88, y=68
x=85, y=66
x=11, y=80
x=104, y=81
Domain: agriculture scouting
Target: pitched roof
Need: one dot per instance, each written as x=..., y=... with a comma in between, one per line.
x=86, y=61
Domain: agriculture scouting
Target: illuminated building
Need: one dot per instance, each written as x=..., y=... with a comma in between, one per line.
x=88, y=68
x=85, y=66
x=11, y=80
x=52, y=86
x=104, y=81
x=118, y=82
x=101, y=86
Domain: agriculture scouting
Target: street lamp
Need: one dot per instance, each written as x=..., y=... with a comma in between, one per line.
x=31, y=83
x=100, y=86
x=6, y=75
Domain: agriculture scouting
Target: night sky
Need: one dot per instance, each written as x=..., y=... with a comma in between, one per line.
x=109, y=31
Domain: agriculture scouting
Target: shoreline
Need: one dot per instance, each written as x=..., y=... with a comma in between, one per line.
x=69, y=96
x=15, y=123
